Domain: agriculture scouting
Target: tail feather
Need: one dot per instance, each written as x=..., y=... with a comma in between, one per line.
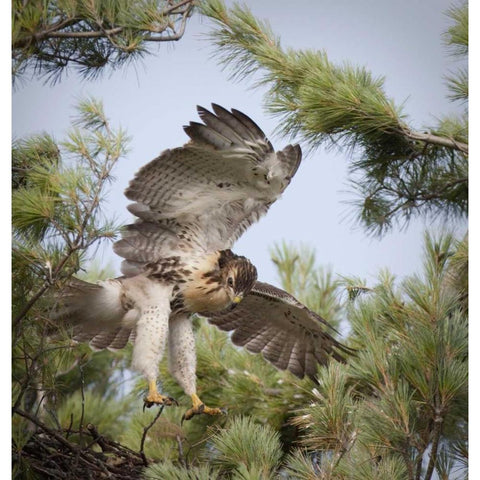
x=111, y=339
x=95, y=312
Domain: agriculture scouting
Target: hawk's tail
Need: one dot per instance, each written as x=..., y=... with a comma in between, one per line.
x=95, y=313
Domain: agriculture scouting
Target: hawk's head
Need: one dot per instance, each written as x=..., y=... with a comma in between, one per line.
x=237, y=275
x=218, y=282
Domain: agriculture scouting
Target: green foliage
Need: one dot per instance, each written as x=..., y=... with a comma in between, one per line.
x=346, y=98
x=457, y=276
x=314, y=286
x=50, y=36
x=397, y=172
x=456, y=37
x=103, y=411
x=57, y=224
x=301, y=466
x=458, y=85
x=162, y=442
x=238, y=446
x=404, y=393
x=233, y=452
x=56, y=203
x=330, y=422
x=239, y=382
x=168, y=470
x=391, y=467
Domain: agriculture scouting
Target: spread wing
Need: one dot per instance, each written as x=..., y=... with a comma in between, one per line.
x=289, y=335
x=201, y=197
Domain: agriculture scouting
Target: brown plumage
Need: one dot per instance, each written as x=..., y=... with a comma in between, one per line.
x=288, y=334
x=104, y=315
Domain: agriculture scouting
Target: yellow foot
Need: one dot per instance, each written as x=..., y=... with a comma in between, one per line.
x=199, y=408
x=155, y=398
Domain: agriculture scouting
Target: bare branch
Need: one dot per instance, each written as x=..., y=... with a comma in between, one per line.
x=92, y=34
x=437, y=140
x=437, y=431
x=144, y=436
x=181, y=457
x=68, y=460
x=180, y=32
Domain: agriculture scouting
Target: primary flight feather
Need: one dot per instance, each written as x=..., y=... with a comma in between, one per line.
x=191, y=204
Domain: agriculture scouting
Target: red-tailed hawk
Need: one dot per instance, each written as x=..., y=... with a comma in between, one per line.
x=192, y=203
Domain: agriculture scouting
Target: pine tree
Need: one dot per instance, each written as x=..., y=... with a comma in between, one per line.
x=401, y=402
x=398, y=172
x=50, y=36
x=58, y=226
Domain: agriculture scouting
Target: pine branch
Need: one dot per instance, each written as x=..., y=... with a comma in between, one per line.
x=404, y=394
x=51, y=37
x=81, y=236
x=56, y=30
x=436, y=140
x=345, y=107
x=456, y=37
x=48, y=283
x=436, y=435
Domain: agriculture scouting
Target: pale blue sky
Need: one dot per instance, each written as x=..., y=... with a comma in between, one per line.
x=398, y=40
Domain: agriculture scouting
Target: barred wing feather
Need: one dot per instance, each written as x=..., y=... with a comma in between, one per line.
x=201, y=197
x=286, y=332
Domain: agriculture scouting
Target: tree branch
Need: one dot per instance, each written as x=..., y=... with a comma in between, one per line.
x=172, y=8
x=53, y=433
x=92, y=34
x=144, y=436
x=53, y=30
x=45, y=287
x=50, y=452
x=437, y=430
x=178, y=34
x=437, y=140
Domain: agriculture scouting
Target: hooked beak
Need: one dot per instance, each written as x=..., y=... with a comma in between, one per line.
x=237, y=299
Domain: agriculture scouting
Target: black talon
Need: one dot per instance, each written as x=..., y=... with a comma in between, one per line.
x=147, y=404
x=166, y=402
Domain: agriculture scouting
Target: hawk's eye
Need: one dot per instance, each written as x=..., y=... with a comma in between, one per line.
x=230, y=281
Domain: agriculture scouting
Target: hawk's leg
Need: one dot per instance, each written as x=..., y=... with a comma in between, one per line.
x=183, y=361
x=152, y=300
